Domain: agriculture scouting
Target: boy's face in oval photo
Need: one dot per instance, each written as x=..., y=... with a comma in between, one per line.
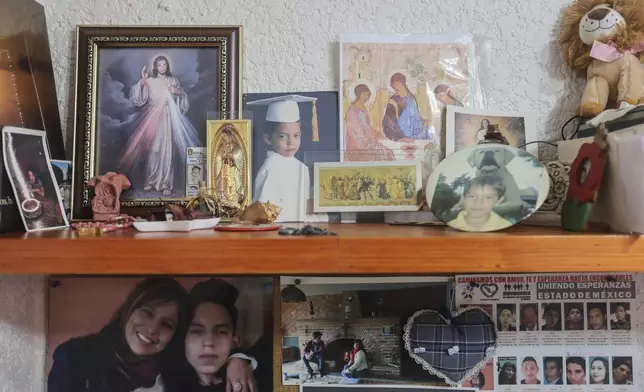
x=286, y=140
x=480, y=200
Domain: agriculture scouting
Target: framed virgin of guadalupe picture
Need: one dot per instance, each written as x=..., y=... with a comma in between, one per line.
x=142, y=99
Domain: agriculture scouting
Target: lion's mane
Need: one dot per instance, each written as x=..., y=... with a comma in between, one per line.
x=576, y=53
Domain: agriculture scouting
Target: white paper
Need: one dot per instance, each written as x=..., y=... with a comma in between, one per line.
x=592, y=293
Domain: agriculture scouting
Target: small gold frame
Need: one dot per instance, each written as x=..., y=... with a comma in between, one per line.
x=239, y=134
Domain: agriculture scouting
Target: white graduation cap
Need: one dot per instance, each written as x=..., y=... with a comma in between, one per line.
x=285, y=109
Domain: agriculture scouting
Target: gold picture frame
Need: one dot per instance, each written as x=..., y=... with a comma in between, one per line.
x=130, y=55
x=229, y=150
x=366, y=186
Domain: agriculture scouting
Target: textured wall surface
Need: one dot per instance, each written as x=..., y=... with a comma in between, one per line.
x=22, y=333
x=291, y=45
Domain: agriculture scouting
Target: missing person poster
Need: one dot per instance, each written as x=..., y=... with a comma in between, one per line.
x=558, y=331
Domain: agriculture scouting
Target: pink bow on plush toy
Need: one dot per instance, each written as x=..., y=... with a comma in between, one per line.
x=609, y=53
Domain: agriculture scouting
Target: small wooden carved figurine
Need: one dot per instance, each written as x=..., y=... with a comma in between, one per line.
x=106, y=202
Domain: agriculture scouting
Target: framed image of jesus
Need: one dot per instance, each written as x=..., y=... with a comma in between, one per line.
x=143, y=95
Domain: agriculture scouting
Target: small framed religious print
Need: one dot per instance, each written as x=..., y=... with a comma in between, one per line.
x=229, y=162
x=367, y=186
x=487, y=187
x=143, y=94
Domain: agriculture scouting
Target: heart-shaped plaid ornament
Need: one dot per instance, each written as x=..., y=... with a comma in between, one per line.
x=454, y=349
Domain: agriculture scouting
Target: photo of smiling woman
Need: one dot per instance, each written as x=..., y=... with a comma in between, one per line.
x=140, y=348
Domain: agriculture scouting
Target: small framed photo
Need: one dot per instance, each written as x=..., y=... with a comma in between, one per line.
x=465, y=127
x=230, y=160
x=143, y=95
x=366, y=186
x=26, y=160
x=63, y=172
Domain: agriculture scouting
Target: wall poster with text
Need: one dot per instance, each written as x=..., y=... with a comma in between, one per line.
x=565, y=332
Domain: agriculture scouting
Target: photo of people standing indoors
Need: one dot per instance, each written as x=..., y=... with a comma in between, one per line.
x=160, y=334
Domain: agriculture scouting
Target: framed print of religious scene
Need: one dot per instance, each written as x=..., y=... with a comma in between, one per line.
x=366, y=186
x=143, y=97
x=394, y=90
x=229, y=161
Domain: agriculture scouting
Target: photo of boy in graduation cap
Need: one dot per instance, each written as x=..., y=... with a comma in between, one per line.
x=285, y=127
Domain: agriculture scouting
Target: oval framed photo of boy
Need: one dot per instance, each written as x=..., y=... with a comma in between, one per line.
x=487, y=187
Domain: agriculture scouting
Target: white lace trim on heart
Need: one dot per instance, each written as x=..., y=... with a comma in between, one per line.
x=489, y=353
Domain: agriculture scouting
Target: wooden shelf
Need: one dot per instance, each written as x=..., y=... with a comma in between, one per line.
x=357, y=249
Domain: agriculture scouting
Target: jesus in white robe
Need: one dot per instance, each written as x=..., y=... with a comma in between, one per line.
x=162, y=132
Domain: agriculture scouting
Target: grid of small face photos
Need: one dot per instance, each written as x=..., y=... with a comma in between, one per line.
x=558, y=370
x=566, y=316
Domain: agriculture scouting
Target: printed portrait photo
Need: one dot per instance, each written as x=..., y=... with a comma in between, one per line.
x=160, y=333
x=551, y=316
x=530, y=372
x=574, y=316
x=152, y=105
x=196, y=174
x=63, y=174
x=349, y=330
x=506, y=317
x=622, y=369
x=484, y=380
x=393, y=95
x=528, y=317
x=466, y=127
x=487, y=188
x=553, y=371
x=596, y=316
x=507, y=371
x=291, y=132
x=26, y=160
x=620, y=316
x=599, y=370
x=576, y=371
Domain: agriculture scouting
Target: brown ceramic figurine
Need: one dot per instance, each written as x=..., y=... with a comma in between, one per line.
x=106, y=203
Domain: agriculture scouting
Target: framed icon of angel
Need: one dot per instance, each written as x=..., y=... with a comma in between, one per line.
x=143, y=94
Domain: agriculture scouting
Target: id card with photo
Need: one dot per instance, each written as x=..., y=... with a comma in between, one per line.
x=196, y=159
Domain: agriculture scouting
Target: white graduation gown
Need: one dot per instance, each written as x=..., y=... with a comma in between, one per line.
x=286, y=182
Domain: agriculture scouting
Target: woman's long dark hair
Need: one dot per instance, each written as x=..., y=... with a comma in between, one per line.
x=604, y=361
x=503, y=379
x=150, y=292
x=360, y=345
x=155, y=73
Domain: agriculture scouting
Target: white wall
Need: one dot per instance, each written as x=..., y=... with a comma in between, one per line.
x=291, y=45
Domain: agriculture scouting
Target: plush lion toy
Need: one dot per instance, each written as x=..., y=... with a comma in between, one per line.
x=603, y=39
